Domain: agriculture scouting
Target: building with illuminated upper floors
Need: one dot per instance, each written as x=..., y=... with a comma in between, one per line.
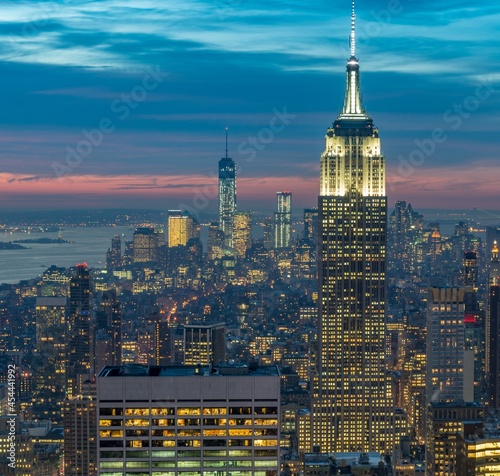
x=478, y=449
x=352, y=407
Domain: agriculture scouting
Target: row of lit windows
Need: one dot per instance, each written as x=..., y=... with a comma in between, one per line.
x=171, y=433
x=189, y=411
x=146, y=454
x=184, y=464
x=142, y=422
x=184, y=443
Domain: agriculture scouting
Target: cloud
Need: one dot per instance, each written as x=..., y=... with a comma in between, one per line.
x=118, y=34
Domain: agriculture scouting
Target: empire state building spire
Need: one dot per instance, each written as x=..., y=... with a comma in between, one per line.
x=353, y=31
x=353, y=109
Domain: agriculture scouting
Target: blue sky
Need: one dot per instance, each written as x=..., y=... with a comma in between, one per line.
x=66, y=66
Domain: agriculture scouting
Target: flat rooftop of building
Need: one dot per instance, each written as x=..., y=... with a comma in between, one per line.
x=455, y=404
x=372, y=458
x=140, y=370
x=205, y=325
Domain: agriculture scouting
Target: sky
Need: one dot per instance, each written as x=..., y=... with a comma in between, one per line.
x=119, y=103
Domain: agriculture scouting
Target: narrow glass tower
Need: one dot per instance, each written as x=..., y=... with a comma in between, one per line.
x=227, y=197
x=351, y=405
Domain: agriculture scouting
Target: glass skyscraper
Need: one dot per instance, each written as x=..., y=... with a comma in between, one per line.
x=283, y=220
x=352, y=405
x=227, y=197
x=80, y=330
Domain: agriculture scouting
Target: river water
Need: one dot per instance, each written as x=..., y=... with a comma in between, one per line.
x=90, y=245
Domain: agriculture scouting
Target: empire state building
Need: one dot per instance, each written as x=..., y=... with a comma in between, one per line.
x=351, y=404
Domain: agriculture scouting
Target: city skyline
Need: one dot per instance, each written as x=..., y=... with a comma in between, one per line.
x=68, y=67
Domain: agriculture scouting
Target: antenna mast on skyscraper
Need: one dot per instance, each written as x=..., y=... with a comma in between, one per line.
x=353, y=31
x=227, y=129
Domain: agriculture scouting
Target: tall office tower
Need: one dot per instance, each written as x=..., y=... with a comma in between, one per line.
x=204, y=344
x=181, y=228
x=398, y=224
x=162, y=343
x=128, y=253
x=215, y=242
x=49, y=361
x=80, y=331
x=242, y=233
x=227, y=197
x=311, y=224
x=283, y=220
x=109, y=318
x=268, y=232
x=156, y=342
x=147, y=241
x=470, y=270
x=80, y=433
x=492, y=237
x=474, y=324
x=114, y=254
x=492, y=337
x=352, y=408
x=189, y=420
x=405, y=239
x=448, y=376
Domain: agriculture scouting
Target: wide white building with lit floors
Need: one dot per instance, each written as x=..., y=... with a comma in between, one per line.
x=188, y=420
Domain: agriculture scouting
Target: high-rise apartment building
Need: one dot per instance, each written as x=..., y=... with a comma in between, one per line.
x=50, y=359
x=352, y=408
x=114, y=254
x=268, y=232
x=447, y=378
x=227, y=196
x=204, y=344
x=80, y=330
x=474, y=326
x=283, y=220
x=80, y=433
x=215, y=243
x=109, y=318
x=492, y=239
x=311, y=225
x=188, y=420
x=242, y=235
x=471, y=270
x=147, y=241
x=405, y=239
x=492, y=337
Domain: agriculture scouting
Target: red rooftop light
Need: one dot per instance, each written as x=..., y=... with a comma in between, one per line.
x=470, y=319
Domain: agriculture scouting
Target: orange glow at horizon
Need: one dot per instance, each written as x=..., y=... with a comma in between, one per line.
x=426, y=187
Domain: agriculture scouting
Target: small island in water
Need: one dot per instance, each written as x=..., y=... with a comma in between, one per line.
x=43, y=241
x=11, y=246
